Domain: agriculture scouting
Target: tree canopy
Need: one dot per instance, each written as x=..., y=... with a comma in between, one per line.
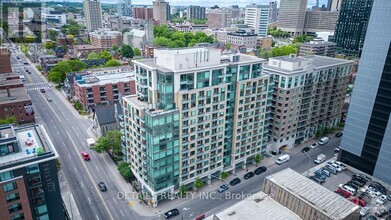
x=279, y=51
x=50, y=45
x=303, y=39
x=92, y=56
x=176, y=39
x=125, y=170
x=277, y=32
x=8, y=120
x=110, y=142
x=105, y=55
x=127, y=51
x=137, y=52
x=112, y=63
x=59, y=71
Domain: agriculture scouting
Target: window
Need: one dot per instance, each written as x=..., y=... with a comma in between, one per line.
x=32, y=169
x=6, y=176
x=18, y=216
x=14, y=207
x=12, y=197
x=9, y=186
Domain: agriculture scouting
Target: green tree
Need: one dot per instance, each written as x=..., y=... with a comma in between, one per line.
x=59, y=71
x=8, y=120
x=125, y=170
x=50, y=45
x=115, y=48
x=112, y=63
x=92, y=56
x=86, y=40
x=137, y=52
x=198, y=183
x=58, y=164
x=302, y=39
x=105, y=55
x=161, y=41
x=102, y=145
x=52, y=34
x=199, y=21
x=72, y=22
x=224, y=175
x=4, y=25
x=228, y=46
x=114, y=138
x=258, y=158
x=127, y=51
x=74, y=30
x=182, y=191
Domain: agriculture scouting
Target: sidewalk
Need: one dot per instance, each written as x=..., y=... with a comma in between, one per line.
x=67, y=197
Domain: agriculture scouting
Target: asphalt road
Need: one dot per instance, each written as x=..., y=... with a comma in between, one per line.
x=68, y=132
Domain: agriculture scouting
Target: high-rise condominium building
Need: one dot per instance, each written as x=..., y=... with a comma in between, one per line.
x=273, y=12
x=352, y=26
x=29, y=186
x=124, y=8
x=93, y=14
x=161, y=11
x=257, y=17
x=292, y=16
x=197, y=113
x=219, y=18
x=308, y=96
x=366, y=143
x=106, y=38
x=196, y=13
x=143, y=13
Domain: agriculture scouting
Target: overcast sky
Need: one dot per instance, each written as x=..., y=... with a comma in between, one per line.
x=241, y=3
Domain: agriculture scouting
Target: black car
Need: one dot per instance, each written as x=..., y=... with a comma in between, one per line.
x=42, y=90
x=234, y=182
x=260, y=170
x=316, y=179
x=371, y=217
x=339, y=134
x=305, y=149
x=171, y=213
x=102, y=186
x=379, y=187
x=248, y=175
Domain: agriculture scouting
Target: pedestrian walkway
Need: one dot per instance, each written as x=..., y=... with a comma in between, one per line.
x=67, y=197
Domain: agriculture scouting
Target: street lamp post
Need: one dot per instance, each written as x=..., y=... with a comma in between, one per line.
x=309, y=162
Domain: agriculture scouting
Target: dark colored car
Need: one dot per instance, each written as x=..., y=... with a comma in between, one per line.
x=248, y=175
x=42, y=90
x=337, y=149
x=316, y=179
x=234, y=182
x=339, y=134
x=171, y=213
x=381, y=213
x=260, y=170
x=379, y=187
x=371, y=217
x=102, y=186
x=305, y=149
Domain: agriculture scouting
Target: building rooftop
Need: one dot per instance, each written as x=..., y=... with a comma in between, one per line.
x=259, y=206
x=329, y=203
x=32, y=141
x=105, y=114
x=104, y=78
x=14, y=95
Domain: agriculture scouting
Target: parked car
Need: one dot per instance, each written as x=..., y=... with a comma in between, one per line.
x=326, y=172
x=360, y=175
x=260, y=170
x=234, y=182
x=381, y=213
x=85, y=155
x=379, y=187
x=305, y=149
x=223, y=188
x=171, y=213
x=360, y=179
x=360, y=202
x=358, y=183
x=314, y=145
x=341, y=165
x=389, y=198
x=102, y=186
x=364, y=211
x=371, y=217
x=343, y=193
x=320, y=175
x=339, y=134
x=248, y=175
x=337, y=149
x=381, y=200
x=316, y=179
x=333, y=171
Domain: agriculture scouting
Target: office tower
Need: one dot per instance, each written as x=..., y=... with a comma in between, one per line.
x=197, y=113
x=196, y=13
x=352, y=26
x=219, y=18
x=143, y=13
x=5, y=64
x=366, y=142
x=308, y=96
x=334, y=5
x=257, y=17
x=161, y=11
x=93, y=14
x=29, y=187
x=292, y=16
x=124, y=8
x=273, y=12
x=320, y=21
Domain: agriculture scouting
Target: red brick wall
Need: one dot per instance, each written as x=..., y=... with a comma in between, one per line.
x=21, y=189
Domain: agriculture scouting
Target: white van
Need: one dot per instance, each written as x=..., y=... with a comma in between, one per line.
x=90, y=143
x=283, y=159
x=320, y=159
x=22, y=78
x=348, y=189
x=323, y=141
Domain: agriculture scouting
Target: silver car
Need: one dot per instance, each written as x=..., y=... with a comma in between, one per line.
x=223, y=188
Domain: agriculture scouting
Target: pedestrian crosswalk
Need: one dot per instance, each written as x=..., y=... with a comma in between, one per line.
x=37, y=88
x=34, y=84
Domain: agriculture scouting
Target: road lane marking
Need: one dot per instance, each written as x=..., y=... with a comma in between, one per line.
x=92, y=180
x=82, y=184
x=53, y=111
x=96, y=217
x=122, y=213
x=115, y=200
x=89, y=200
x=69, y=155
x=75, y=169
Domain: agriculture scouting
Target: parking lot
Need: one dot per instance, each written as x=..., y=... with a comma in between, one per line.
x=365, y=195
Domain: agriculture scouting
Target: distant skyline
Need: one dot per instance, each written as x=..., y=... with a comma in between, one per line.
x=241, y=3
